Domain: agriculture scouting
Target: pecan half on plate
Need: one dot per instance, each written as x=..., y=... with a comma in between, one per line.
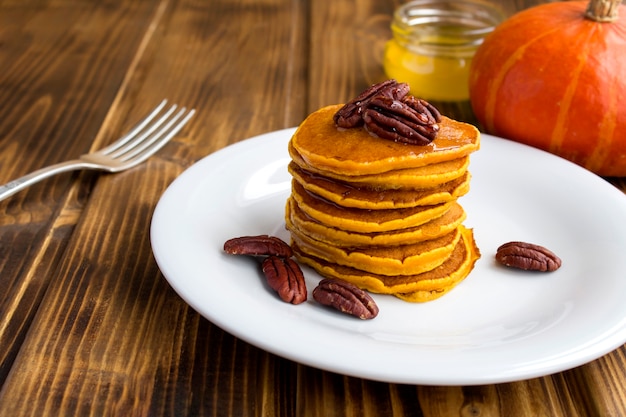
x=527, y=256
x=286, y=278
x=345, y=297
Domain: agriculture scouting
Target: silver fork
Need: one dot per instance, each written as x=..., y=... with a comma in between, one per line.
x=147, y=137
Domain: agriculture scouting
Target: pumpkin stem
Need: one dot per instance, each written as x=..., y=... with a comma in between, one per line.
x=603, y=10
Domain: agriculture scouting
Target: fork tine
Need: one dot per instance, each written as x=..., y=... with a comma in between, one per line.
x=150, y=147
x=152, y=135
x=134, y=131
x=127, y=147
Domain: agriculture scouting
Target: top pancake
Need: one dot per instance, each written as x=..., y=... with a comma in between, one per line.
x=354, y=152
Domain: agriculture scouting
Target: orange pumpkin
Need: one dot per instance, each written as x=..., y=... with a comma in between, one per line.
x=554, y=77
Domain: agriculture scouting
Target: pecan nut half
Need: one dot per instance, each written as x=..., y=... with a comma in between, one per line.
x=351, y=114
x=423, y=107
x=262, y=245
x=527, y=256
x=398, y=121
x=345, y=297
x=286, y=278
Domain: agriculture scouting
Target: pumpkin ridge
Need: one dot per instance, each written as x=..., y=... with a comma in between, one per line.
x=559, y=130
x=603, y=148
x=494, y=87
x=606, y=132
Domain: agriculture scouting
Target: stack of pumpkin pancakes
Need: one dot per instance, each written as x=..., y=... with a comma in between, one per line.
x=380, y=214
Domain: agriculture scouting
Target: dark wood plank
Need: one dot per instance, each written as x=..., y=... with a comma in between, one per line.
x=110, y=336
x=597, y=388
x=61, y=70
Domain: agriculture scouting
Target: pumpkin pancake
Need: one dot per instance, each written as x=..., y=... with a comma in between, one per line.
x=427, y=176
x=353, y=152
x=379, y=213
x=411, y=259
x=414, y=288
x=360, y=220
x=348, y=195
x=439, y=226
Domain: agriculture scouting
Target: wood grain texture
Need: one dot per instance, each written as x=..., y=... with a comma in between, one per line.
x=48, y=79
x=88, y=360
x=88, y=325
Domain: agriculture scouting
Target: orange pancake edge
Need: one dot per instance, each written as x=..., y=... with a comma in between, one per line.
x=351, y=195
x=410, y=259
x=424, y=176
x=361, y=220
x=438, y=226
x=352, y=152
x=417, y=288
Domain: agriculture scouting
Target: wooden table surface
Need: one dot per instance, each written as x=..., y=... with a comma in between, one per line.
x=88, y=324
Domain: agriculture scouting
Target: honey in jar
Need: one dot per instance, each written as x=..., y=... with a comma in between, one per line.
x=433, y=44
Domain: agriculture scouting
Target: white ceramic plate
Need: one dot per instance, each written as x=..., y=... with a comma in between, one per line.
x=498, y=325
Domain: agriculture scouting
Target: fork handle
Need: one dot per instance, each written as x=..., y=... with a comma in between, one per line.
x=27, y=180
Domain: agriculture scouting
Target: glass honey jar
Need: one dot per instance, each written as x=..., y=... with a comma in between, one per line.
x=433, y=44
